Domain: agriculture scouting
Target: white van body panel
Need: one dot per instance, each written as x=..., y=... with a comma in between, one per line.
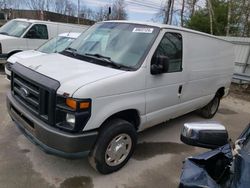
x=156, y=98
x=10, y=44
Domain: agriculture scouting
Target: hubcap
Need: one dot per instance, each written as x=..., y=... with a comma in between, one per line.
x=118, y=149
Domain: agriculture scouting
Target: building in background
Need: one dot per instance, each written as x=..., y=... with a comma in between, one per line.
x=43, y=15
x=242, y=55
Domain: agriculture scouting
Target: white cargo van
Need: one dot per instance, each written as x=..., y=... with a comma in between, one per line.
x=116, y=79
x=24, y=34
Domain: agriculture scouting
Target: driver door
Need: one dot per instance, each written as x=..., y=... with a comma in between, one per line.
x=36, y=36
x=164, y=90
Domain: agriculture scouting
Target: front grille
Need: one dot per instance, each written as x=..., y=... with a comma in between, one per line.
x=36, y=92
x=33, y=97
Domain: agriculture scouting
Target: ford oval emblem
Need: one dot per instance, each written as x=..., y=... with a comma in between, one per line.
x=24, y=92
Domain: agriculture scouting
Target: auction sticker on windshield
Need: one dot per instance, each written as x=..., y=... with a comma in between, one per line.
x=143, y=30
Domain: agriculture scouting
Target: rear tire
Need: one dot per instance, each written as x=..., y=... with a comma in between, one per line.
x=114, y=147
x=211, y=108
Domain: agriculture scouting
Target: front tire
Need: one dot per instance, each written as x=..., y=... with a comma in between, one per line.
x=114, y=146
x=211, y=108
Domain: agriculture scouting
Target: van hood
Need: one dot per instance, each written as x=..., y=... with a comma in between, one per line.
x=23, y=55
x=71, y=73
x=3, y=37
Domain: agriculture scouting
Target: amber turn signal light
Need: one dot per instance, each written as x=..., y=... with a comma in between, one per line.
x=73, y=104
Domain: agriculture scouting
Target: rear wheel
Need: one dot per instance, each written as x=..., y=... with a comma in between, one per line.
x=114, y=146
x=211, y=108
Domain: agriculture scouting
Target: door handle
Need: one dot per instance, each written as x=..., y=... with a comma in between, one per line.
x=180, y=91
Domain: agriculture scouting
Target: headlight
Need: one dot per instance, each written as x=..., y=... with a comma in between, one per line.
x=72, y=114
x=71, y=119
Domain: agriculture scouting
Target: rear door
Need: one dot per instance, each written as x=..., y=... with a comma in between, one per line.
x=163, y=94
x=36, y=36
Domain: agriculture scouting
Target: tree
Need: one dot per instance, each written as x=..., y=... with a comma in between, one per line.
x=210, y=19
x=211, y=15
x=101, y=14
x=222, y=17
x=167, y=10
x=36, y=4
x=182, y=12
x=229, y=17
x=87, y=13
x=118, y=11
x=191, y=4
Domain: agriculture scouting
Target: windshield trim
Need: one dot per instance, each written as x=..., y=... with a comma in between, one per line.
x=27, y=30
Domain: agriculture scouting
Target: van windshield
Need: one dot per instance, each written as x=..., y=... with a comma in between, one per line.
x=14, y=28
x=57, y=44
x=122, y=44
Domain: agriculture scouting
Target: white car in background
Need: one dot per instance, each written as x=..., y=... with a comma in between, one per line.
x=55, y=45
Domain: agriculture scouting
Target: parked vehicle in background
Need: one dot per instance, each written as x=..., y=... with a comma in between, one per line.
x=55, y=45
x=24, y=34
x=228, y=165
x=118, y=78
x=2, y=18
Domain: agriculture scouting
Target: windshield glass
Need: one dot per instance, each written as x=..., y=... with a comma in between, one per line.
x=14, y=28
x=124, y=44
x=57, y=44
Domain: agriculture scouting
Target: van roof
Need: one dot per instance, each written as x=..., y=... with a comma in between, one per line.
x=166, y=26
x=42, y=21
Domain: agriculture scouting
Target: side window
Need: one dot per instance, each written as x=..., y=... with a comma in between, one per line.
x=170, y=49
x=37, y=31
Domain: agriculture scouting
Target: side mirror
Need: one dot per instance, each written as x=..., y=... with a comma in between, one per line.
x=205, y=135
x=159, y=65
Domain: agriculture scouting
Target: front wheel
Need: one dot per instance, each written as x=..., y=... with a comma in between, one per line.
x=114, y=146
x=211, y=108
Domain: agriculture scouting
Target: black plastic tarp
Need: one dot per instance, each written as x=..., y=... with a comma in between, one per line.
x=207, y=169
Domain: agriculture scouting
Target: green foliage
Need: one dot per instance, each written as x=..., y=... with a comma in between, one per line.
x=200, y=20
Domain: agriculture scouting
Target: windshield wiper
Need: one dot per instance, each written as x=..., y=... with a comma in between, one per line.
x=4, y=33
x=108, y=60
x=71, y=50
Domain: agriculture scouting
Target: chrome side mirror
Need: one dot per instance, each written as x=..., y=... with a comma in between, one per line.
x=204, y=134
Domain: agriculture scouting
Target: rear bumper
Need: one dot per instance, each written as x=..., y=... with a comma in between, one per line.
x=50, y=139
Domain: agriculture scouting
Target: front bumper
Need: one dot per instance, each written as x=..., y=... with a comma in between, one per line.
x=50, y=139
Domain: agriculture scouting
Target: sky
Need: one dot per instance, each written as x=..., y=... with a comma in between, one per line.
x=134, y=8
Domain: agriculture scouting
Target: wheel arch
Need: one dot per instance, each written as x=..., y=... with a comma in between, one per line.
x=13, y=52
x=221, y=92
x=130, y=115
